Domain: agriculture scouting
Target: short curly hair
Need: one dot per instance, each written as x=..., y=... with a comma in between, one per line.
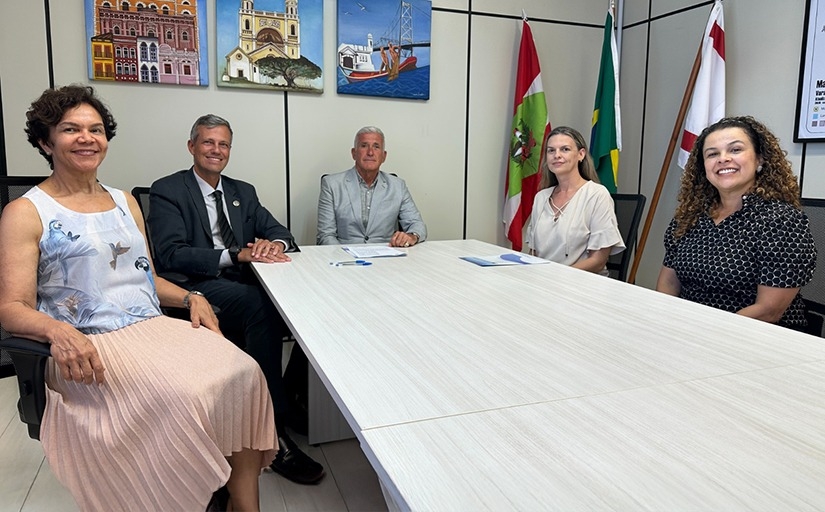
x=47, y=111
x=775, y=181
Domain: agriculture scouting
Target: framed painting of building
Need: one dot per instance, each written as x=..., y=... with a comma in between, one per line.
x=384, y=48
x=270, y=44
x=147, y=41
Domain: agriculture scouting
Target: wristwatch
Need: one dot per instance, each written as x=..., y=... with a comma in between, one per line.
x=186, y=297
x=233, y=254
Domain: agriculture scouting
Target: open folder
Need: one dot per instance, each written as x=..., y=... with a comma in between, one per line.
x=511, y=258
x=372, y=251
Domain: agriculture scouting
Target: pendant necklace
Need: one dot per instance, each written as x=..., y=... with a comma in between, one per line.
x=559, y=210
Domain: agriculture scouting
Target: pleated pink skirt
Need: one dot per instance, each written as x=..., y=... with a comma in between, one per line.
x=176, y=402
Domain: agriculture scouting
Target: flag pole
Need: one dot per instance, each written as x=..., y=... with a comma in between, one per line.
x=618, y=15
x=674, y=139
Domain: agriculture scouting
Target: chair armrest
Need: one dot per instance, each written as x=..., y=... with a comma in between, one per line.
x=25, y=346
x=181, y=280
x=174, y=277
x=816, y=307
x=29, y=358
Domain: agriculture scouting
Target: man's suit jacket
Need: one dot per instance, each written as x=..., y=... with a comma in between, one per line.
x=339, y=210
x=179, y=225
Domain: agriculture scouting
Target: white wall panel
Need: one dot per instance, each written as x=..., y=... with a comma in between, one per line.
x=425, y=139
x=462, y=5
x=813, y=183
x=763, y=71
x=24, y=74
x=579, y=11
x=673, y=45
x=632, y=91
x=635, y=11
x=660, y=7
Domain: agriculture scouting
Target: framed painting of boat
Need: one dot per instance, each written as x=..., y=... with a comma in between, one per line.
x=152, y=42
x=270, y=44
x=384, y=48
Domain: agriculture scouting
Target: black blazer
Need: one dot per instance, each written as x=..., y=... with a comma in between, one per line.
x=179, y=224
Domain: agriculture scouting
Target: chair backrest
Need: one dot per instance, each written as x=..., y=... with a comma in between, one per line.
x=12, y=187
x=629, y=208
x=814, y=292
x=141, y=195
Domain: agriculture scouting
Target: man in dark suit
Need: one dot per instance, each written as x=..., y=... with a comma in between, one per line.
x=210, y=227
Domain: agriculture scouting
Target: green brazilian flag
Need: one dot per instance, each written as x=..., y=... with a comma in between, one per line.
x=606, y=134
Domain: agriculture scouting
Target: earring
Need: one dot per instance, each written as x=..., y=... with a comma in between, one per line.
x=759, y=169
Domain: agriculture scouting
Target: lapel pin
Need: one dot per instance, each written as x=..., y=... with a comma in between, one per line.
x=236, y=203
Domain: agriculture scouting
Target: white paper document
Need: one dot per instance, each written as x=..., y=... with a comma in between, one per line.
x=504, y=259
x=372, y=251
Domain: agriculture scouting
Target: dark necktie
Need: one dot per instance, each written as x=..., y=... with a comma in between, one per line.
x=223, y=223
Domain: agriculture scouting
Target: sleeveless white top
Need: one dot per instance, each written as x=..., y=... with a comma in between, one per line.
x=93, y=272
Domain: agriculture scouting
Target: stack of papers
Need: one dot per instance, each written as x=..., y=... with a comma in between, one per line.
x=513, y=258
x=372, y=251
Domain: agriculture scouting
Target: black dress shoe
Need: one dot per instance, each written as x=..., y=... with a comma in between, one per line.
x=295, y=465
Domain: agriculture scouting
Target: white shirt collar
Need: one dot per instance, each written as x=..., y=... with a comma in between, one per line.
x=206, y=188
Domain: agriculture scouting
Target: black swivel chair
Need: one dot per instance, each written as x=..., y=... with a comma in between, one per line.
x=141, y=195
x=814, y=292
x=25, y=357
x=629, y=208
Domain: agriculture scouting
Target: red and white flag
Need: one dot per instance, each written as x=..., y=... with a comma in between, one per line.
x=708, y=102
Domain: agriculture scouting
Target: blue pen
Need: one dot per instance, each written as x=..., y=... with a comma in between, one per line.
x=360, y=263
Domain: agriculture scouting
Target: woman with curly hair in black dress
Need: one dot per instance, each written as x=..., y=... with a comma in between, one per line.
x=739, y=240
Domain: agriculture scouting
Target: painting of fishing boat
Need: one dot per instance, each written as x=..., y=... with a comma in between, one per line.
x=384, y=48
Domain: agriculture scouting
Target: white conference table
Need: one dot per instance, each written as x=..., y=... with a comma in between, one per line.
x=543, y=387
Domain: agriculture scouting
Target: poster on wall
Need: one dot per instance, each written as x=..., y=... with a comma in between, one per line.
x=810, y=102
x=147, y=41
x=384, y=48
x=270, y=44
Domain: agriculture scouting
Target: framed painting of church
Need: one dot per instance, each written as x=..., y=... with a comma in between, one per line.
x=270, y=44
x=384, y=48
x=147, y=41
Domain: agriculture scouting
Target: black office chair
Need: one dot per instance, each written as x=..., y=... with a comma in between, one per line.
x=629, y=208
x=26, y=358
x=141, y=194
x=814, y=292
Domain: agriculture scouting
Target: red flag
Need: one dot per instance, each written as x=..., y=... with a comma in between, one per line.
x=530, y=124
x=707, y=105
